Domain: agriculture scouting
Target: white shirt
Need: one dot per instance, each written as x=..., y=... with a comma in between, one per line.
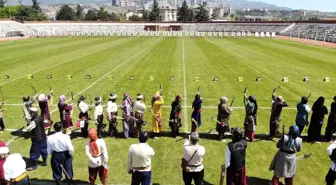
x=227, y=157
x=139, y=107
x=307, y=108
x=95, y=162
x=329, y=151
x=111, y=107
x=25, y=108
x=14, y=166
x=140, y=155
x=30, y=127
x=59, y=142
x=98, y=111
x=189, y=150
x=83, y=107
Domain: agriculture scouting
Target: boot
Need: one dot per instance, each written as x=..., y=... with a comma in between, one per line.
x=34, y=167
x=44, y=163
x=104, y=182
x=58, y=181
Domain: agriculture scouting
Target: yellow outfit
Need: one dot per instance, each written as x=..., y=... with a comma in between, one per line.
x=156, y=128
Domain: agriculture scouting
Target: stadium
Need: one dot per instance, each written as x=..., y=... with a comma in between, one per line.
x=215, y=59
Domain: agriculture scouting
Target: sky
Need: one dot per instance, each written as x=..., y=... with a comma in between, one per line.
x=322, y=5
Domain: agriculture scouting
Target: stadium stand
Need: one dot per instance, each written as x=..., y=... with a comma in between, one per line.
x=314, y=31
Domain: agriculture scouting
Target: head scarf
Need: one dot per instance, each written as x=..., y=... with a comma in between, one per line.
x=62, y=99
x=178, y=98
x=253, y=99
x=4, y=149
x=93, y=145
x=304, y=99
x=294, y=132
x=318, y=104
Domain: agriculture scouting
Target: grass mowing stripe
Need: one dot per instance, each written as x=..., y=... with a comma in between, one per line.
x=57, y=64
x=184, y=89
x=254, y=69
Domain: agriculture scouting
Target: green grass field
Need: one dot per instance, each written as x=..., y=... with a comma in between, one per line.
x=184, y=59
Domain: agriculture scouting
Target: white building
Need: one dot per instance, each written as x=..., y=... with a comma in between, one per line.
x=168, y=13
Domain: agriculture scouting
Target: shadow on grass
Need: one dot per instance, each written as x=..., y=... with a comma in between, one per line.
x=36, y=181
x=258, y=181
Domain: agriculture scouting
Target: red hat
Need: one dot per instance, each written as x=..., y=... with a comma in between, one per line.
x=3, y=148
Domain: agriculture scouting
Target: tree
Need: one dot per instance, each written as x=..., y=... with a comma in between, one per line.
x=2, y=3
x=185, y=14
x=154, y=14
x=145, y=15
x=215, y=15
x=30, y=14
x=202, y=14
x=79, y=15
x=36, y=6
x=103, y=15
x=91, y=15
x=9, y=11
x=65, y=13
x=135, y=18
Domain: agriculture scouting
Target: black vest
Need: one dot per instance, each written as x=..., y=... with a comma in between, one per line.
x=238, y=152
x=38, y=133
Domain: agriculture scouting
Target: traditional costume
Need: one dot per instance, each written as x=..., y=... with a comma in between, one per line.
x=139, y=161
x=38, y=138
x=97, y=153
x=65, y=111
x=12, y=168
x=317, y=119
x=157, y=102
x=331, y=126
x=175, y=116
x=2, y=124
x=277, y=105
x=3, y=150
x=196, y=120
x=223, y=118
x=235, y=159
x=112, y=112
x=84, y=115
x=26, y=105
x=250, y=123
x=128, y=122
x=193, y=153
x=284, y=161
x=139, y=109
x=99, y=116
x=61, y=150
x=45, y=114
x=303, y=110
x=331, y=176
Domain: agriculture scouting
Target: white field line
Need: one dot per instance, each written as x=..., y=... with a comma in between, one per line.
x=257, y=71
x=184, y=90
x=184, y=106
x=95, y=82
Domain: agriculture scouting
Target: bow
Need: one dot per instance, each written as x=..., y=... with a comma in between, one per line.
x=233, y=99
x=90, y=99
x=2, y=96
x=309, y=94
x=51, y=96
x=33, y=89
x=72, y=96
x=245, y=90
x=275, y=89
x=198, y=89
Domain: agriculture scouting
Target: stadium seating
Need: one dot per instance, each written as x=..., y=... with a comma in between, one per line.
x=320, y=32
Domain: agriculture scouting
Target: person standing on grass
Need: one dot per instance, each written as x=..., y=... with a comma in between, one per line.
x=112, y=112
x=157, y=102
x=61, y=150
x=65, y=111
x=44, y=107
x=196, y=119
x=331, y=176
x=277, y=104
x=12, y=168
x=175, y=116
x=251, y=109
x=193, y=154
x=84, y=118
x=38, y=138
x=96, y=151
x=127, y=107
x=139, y=161
x=303, y=110
x=316, y=120
x=139, y=109
x=284, y=161
x=26, y=105
x=223, y=117
x=235, y=159
x=331, y=126
x=99, y=115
